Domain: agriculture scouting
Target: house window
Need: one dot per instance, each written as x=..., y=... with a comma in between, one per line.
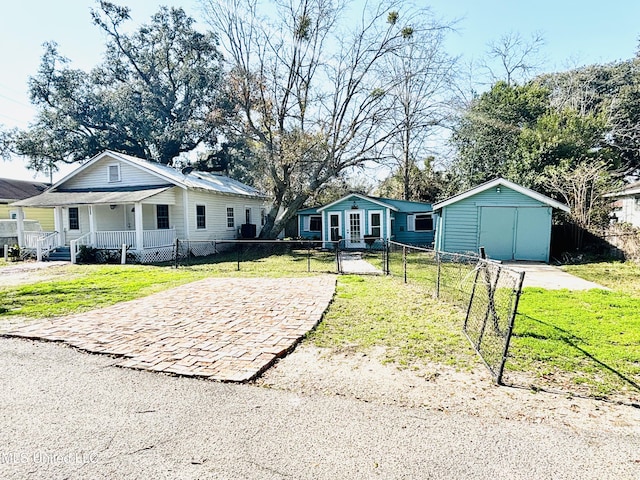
x=74, y=218
x=114, y=173
x=247, y=215
x=13, y=215
x=230, y=218
x=201, y=217
x=422, y=222
x=315, y=223
x=375, y=224
x=162, y=216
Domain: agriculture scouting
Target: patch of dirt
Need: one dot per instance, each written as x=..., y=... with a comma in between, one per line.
x=30, y=272
x=311, y=370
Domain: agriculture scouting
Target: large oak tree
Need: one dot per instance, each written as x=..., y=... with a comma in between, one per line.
x=155, y=95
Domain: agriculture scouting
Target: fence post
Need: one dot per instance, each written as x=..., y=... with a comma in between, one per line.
x=6, y=253
x=176, y=253
x=123, y=256
x=473, y=293
x=308, y=257
x=438, y=260
x=38, y=251
x=512, y=320
x=238, y=247
x=72, y=248
x=404, y=262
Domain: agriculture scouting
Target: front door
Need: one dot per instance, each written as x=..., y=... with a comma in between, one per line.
x=354, y=230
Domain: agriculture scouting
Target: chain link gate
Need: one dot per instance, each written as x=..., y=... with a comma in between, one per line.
x=491, y=313
x=487, y=291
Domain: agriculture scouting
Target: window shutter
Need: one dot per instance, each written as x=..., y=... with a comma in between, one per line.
x=411, y=223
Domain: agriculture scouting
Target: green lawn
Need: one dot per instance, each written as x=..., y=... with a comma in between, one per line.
x=585, y=342
x=382, y=311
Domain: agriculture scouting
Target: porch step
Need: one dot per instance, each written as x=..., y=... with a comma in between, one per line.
x=62, y=254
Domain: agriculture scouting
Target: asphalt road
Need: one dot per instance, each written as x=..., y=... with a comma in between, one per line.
x=67, y=414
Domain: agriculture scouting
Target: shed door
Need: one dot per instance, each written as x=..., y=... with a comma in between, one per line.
x=533, y=234
x=497, y=232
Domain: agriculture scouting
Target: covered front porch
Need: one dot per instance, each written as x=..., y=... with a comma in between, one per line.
x=141, y=229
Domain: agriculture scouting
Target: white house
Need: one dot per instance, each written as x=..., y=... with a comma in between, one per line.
x=626, y=204
x=115, y=199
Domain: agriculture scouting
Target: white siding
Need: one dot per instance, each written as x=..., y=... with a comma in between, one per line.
x=97, y=176
x=630, y=212
x=216, y=215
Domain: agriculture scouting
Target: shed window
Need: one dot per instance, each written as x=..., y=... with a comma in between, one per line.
x=114, y=173
x=74, y=218
x=201, y=216
x=637, y=203
x=231, y=223
x=162, y=216
x=421, y=222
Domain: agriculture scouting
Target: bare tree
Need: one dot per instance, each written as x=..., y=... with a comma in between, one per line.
x=582, y=186
x=421, y=74
x=311, y=104
x=516, y=57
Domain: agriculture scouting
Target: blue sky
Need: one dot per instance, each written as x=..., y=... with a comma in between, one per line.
x=575, y=33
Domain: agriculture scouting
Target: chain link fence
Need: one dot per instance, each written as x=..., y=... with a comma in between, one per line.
x=293, y=255
x=486, y=291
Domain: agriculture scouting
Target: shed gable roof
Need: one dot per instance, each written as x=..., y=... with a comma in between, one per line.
x=505, y=183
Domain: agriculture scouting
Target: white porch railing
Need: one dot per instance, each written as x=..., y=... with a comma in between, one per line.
x=150, y=239
x=77, y=243
x=115, y=239
x=45, y=244
x=159, y=238
x=31, y=239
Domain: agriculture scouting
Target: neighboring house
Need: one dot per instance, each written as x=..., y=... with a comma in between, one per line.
x=360, y=220
x=510, y=221
x=115, y=199
x=14, y=190
x=626, y=204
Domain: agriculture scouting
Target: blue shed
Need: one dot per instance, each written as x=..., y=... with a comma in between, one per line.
x=510, y=221
x=359, y=218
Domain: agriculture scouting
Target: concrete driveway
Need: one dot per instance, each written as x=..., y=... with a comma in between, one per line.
x=551, y=277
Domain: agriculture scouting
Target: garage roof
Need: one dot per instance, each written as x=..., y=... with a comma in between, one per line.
x=505, y=183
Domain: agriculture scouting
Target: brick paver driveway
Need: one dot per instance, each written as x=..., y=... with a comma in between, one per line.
x=228, y=329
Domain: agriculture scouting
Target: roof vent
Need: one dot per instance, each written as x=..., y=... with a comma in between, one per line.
x=187, y=170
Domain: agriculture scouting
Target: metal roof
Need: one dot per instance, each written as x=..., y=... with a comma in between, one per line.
x=505, y=183
x=194, y=179
x=103, y=197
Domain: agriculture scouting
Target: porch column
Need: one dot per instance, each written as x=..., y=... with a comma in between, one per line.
x=92, y=225
x=139, y=227
x=20, y=226
x=58, y=224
